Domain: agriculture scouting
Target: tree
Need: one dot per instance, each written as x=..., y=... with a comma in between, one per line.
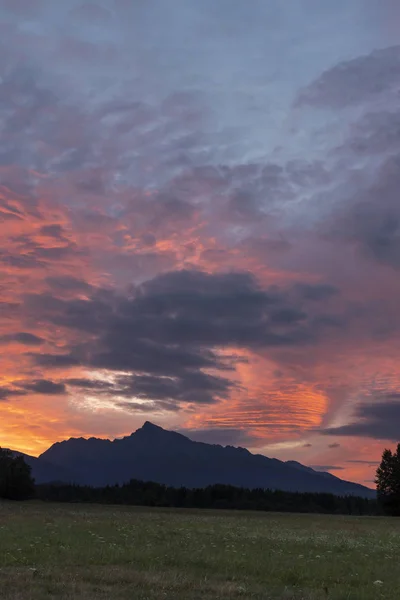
x=16, y=482
x=388, y=482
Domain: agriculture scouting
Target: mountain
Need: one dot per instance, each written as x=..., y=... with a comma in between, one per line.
x=45, y=472
x=154, y=454
x=297, y=465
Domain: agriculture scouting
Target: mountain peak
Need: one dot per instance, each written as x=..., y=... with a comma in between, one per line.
x=149, y=427
x=151, y=433
x=149, y=424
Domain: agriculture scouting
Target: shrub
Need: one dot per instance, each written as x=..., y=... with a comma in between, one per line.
x=16, y=482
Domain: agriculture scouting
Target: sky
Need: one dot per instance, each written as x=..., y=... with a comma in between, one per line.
x=200, y=225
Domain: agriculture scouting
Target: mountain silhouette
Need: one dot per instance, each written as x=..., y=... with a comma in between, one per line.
x=155, y=454
x=45, y=472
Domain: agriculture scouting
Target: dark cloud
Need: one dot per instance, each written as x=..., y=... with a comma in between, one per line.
x=221, y=436
x=28, y=339
x=191, y=386
x=53, y=231
x=371, y=463
x=168, y=330
x=23, y=261
x=170, y=208
x=84, y=315
x=90, y=384
x=217, y=310
x=375, y=134
x=371, y=218
x=317, y=292
x=56, y=360
x=356, y=81
x=307, y=446
x=9, y=309
x=379, y=233
x=377, y=420
x=149, y=406
x=334, y=445
x=56, y=252
x=194, y=387
x=6, y=393
x=67, y=283
x=287, y=316
x=43, y=386
x=28, y=254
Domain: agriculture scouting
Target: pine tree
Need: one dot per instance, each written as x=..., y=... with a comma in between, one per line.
x=388, y=481
x=16, y=482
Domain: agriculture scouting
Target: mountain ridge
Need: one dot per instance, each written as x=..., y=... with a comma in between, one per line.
x=152, y=453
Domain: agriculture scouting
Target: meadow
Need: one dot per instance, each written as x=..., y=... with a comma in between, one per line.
x=91, y=552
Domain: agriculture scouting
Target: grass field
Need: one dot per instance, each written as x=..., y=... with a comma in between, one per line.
x=90, y=552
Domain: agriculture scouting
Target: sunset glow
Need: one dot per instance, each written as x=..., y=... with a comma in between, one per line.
x=200, y=224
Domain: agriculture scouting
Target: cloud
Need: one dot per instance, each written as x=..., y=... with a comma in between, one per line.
x=196, y=387
x=67, y=283
x=90, y=384
x=375, y=133
x=167, y=332
x=317, y=292
x=55, y=360
x=355, y=81
x=377, y=420
x=326, y=468
x=6, y=393
x=22, y=337
x=371, y=463
x=55, y=230
x=43, y=386
x=371, y=221
x=221, y=436
x=334, y=445
x=193, y=386
x=21, y=262
x=149, y=406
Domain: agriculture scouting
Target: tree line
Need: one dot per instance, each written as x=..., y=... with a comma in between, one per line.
x=142, y=493
x=16, y=483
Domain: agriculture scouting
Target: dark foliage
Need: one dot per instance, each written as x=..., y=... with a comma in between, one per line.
x=141, y=493
x=388, y=482
x=16, y=482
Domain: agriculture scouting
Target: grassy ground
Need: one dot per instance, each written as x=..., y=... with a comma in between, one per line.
x=88, y=552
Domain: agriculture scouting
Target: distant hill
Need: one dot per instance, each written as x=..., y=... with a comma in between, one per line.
x=44, y=472
x=297, y=465
x=154, y=454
